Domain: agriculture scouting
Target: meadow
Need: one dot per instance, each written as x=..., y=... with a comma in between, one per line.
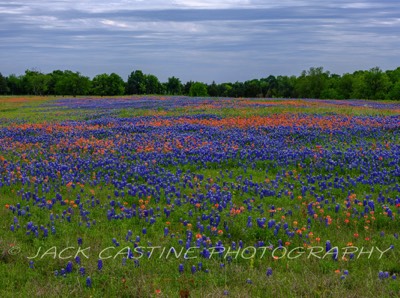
x=152, y=196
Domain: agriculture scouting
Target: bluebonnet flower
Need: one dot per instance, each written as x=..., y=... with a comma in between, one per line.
x=136, y=262
x=269, y=271
x=335, y=254
x=82, y=271
x=68, y=269
x=63, y=272
x=100, y=264
x=328, y=246
x=88, y=282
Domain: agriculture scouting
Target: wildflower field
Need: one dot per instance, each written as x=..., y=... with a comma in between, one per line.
x=152, y=196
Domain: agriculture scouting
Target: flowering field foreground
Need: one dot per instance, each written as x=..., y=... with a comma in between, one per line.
x=199, y=197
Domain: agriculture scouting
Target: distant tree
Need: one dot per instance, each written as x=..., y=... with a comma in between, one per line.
x=394, y=75
x=359, y=87
x=330, y=93
x=55, y=76
x=174, y=86
x=224, y=89
x=72, y=83
x=117, y=84
x=213, y=89
x=377, y=84
x=136, y=83
x=311, y=83
x=153, y=85
x=394, y=93
x=3, y=85
x=186, y=87
x=100, y=84
x=263, y=88
x=198, y=89
x=345, y=86
x=252, y=88
x=284, y=87
x=110, y=85
x=35, y=82
x=15, y=85
x=237, y=90
x=331, y=89
x=270, y=88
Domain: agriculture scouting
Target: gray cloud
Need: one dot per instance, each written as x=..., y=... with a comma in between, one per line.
x=198, y=40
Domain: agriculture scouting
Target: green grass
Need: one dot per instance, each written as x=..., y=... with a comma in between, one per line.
x=305, y=276
x=260, y=111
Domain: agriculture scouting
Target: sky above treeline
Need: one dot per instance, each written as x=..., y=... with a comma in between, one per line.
x=222, y=41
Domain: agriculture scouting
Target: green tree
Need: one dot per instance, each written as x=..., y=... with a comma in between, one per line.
x=110, y=85
x=252, y=88
x=311, y=83
x=136, y=83
x=3, y=85
x=377, y=84
x=153, y=85
x=100, y=85
x=263, y=88
x=117, y=84
x=394, y=75
x=174, y=86
x=72, y=83
x=331, y=90
x=186, y=87
x=15, y=85
x=35, y=82
x=359, y=87
x=213, y=89
x=237, y=90
x=269, y=89
x=198, y=89
x=394, y=93
x=224, y=89
x=55, y=76
x=283, y=86
x=345, y=86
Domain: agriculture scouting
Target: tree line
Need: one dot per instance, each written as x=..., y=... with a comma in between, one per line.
x=313, y=83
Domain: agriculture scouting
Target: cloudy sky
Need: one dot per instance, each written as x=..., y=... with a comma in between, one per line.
x=224, y=40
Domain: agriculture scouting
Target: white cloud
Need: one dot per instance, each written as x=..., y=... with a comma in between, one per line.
x=112, y=23
x=211, y=4
x=235, y=38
